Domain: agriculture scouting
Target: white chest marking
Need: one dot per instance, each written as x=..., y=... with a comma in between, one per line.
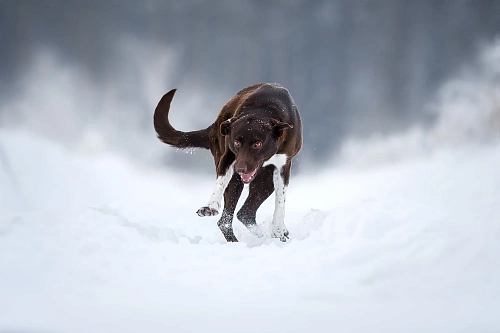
x=278, y=160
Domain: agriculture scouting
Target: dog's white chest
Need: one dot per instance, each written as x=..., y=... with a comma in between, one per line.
x=278, y=160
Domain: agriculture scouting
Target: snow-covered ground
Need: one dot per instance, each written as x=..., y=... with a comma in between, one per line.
x=98, y=244
x=401, y=234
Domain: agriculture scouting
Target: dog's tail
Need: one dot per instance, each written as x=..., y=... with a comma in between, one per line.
x=173, y=137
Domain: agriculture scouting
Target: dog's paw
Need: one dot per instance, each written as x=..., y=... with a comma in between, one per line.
x=282, y=234
x=207, y=211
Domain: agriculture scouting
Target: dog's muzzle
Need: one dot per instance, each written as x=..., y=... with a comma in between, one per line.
x=248, y=177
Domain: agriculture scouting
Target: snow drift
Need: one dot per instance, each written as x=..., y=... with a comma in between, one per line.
x=101, y=245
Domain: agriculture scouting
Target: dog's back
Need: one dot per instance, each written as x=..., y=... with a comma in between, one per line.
x=266, y=100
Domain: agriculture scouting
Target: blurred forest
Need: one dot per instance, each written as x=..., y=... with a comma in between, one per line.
x=354, y=67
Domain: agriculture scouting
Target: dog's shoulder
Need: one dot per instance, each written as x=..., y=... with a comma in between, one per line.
x=264, y=92
x=250, y=89
x=268, y=100
x=271, y=97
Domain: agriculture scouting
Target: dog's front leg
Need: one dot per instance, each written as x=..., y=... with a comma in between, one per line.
x=278, y=226
x=231, y=196
x=224, y=175
x=281, y=177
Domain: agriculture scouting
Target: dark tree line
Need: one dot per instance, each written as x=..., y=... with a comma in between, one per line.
x=353, y=67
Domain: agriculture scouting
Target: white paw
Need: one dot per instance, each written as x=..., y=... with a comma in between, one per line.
x=207, y=211
x=280, y=232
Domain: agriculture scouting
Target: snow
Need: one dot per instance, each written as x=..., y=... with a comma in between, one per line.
x=400, y=234
x=97, y=243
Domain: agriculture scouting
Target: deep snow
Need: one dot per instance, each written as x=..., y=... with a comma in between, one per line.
x=98, y=244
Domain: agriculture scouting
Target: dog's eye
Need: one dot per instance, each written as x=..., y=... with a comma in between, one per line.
x=258, y=144
x=237, y=143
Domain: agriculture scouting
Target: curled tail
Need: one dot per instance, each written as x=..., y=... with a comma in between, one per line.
x=173, y=137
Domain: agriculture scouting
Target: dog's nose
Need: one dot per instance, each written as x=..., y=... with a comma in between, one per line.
x=240, y=167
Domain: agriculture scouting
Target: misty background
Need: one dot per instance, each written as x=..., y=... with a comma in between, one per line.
x=380, y=77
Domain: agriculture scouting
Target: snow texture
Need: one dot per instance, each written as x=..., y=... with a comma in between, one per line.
x=98, y=244
x=403, y=236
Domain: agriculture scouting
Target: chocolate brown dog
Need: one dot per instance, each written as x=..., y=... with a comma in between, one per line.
x=253, y=141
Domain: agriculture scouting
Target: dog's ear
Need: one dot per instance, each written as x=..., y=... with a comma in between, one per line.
x=225, y=126
x=279, y=127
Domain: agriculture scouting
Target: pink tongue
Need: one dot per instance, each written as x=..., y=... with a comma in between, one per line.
x=246, y=177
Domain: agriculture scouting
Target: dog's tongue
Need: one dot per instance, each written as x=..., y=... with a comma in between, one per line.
x=246, y=177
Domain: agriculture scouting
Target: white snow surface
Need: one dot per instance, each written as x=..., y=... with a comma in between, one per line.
x=99, y=244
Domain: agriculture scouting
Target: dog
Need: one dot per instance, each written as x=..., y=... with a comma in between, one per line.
x=253, y=140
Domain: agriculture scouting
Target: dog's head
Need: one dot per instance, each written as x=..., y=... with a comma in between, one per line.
x=253, y=141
